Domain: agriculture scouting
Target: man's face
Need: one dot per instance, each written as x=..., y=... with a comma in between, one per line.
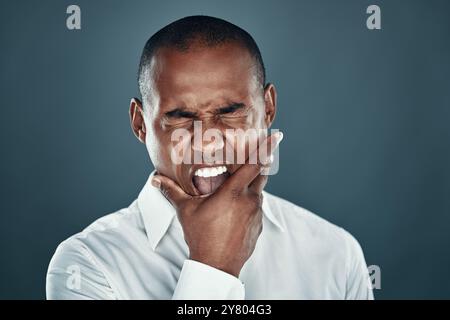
x=214, y=85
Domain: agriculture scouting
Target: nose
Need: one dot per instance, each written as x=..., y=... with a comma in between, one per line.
x=207, y=143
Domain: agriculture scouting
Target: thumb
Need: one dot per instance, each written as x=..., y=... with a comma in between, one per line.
x=170, y=189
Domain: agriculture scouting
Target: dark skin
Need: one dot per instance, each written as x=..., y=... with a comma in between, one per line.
x=218, y=86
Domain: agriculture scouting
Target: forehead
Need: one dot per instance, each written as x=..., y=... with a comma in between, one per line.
x=203, y=75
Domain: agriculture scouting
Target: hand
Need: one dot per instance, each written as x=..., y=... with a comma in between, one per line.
x=221, y=229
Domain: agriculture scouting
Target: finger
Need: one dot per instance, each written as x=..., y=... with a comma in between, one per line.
x=170, y=189
x=259, y=183
x=248, y=172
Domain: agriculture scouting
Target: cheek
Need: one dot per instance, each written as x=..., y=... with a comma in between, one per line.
x=180, y=148
x=157, y=149
x=163, y=149
x=260, y=117
x=240, y=144
x=256, y=117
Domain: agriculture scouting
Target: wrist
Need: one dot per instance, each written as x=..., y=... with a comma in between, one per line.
x=232, y=270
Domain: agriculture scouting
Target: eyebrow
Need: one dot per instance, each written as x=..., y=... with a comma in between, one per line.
x=182, y=112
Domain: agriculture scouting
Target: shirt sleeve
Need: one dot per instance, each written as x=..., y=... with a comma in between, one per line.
x=199, y=281
x=74, y=275
x=358, y=280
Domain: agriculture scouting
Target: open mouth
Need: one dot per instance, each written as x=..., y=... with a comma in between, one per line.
x=209, y=179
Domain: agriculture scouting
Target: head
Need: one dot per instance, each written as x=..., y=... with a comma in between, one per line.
x=199, y=69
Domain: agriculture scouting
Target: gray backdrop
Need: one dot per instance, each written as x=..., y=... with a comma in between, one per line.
x=365, y=116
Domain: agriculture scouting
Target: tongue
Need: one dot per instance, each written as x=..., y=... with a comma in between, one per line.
x=210, y=184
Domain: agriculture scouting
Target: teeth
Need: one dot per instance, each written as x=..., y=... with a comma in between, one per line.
x=210, y=172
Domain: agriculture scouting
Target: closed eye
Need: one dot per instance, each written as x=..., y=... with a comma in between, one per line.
x=180, y=113
x=231, y=109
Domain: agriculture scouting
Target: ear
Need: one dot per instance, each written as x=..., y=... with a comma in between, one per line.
x=270, y=100
x=137, y=119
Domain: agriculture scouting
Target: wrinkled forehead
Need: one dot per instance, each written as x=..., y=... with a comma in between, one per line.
x=202, y=74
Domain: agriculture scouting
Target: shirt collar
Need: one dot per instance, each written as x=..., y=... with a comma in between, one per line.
x=157, y=212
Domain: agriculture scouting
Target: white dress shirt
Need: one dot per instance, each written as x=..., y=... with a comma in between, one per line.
x=139, y=253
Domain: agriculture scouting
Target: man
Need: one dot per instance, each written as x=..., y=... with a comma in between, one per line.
x=207, y=230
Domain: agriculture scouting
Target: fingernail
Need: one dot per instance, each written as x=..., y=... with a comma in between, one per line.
x=279, y=136
x=156, y=182
x=267, y=160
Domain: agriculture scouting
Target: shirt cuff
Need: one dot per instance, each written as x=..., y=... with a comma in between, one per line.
x=199, y=281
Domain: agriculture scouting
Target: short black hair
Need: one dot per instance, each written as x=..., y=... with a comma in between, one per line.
x=199, y=29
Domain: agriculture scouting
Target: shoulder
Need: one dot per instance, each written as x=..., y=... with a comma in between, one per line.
x=306, y=226
x=112, y=232
x=86, y=252
x=115, y=227
x=323, y=245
